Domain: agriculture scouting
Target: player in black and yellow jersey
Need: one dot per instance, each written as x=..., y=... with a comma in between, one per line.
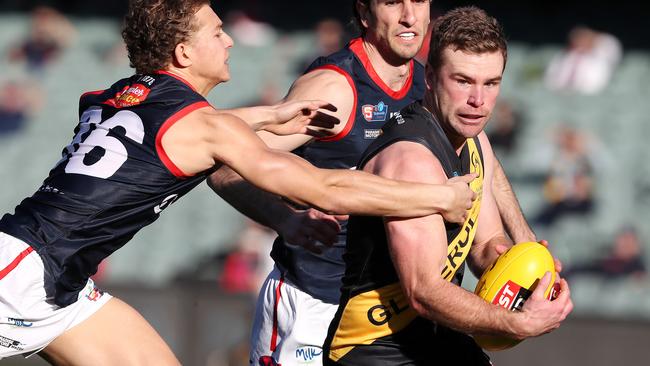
x=401, y=301
x=140, y=145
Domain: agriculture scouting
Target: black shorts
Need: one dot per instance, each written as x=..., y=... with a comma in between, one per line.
x=421, y=343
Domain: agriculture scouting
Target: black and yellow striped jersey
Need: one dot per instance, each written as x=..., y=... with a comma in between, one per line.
x=374, y=313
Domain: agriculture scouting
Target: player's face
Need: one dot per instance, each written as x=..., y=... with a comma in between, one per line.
x=465, y=90
x=397, y=27
x=209, y=47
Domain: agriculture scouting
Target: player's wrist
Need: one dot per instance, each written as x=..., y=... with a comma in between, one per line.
x=516, y=325
x=446, y=200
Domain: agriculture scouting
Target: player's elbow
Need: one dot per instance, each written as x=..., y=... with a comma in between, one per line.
x=417, y=300
x=421, y=297
x=222, y=179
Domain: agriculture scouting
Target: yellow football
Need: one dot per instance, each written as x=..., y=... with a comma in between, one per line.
x=510, y=281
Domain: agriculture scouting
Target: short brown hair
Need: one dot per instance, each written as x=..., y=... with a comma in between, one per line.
x=467, y=29
x=153, y=28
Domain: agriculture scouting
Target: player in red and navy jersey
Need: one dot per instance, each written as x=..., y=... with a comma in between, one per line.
x=139, y=146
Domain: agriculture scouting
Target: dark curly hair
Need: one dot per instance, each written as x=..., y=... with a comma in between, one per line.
x=153, y=28
x=466, y=29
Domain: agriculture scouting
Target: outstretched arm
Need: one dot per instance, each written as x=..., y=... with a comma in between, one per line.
x=291, y=117
x=204, y=138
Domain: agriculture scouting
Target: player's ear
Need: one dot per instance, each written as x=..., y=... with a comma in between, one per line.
x=364, y=11
x=182, y=55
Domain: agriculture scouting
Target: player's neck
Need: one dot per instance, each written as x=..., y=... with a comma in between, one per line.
x=430, y=105
x=395, y=76
x=200, y=85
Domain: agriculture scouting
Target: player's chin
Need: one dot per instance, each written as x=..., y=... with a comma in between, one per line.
x=224, y=77
x=407, y=53
x=469, y=131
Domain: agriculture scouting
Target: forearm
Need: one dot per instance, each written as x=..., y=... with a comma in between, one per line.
x=509, y=208
x=338, y=191
x=452, y=306
x=258, y=205
x=361, y=193
x=256, y=117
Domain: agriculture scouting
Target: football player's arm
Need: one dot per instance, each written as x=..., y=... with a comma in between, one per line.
x=489, y=231
x=204, y=138
x=509, y=209
x=269, y=209
x=418, y=248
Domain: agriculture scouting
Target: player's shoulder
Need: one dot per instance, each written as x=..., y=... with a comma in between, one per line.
x=326, y=85
x=325, y=77
x=408, y=160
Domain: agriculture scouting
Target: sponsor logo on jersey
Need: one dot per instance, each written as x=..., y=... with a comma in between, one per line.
x=10, y=343
x=131, y=95
x=94, y=294
x=17, y=322
x=147, y=79
x=371, y=134
x=49, y=189
x=308, y=354
x=268, y=361
x=165, y=203
x=381, y=314
x=398, y=117
x=375, y=113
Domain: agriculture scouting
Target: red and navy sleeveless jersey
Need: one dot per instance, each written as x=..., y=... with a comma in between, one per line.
x=374, y=104
x=113, y=179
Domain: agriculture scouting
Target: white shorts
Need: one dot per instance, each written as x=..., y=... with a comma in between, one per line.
x=290, y=326
x=28, y=323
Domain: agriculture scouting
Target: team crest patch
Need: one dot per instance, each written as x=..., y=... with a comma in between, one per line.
x=375, y=113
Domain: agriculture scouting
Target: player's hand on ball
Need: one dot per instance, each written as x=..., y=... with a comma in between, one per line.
x=461, y=200
x=539, y=315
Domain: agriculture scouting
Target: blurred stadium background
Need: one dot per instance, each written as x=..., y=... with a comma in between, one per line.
x=193, y=274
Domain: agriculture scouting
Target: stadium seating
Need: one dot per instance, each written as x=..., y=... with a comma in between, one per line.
x=202, y=225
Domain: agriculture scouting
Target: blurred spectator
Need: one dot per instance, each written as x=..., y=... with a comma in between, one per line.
x=624, y=259
x=268, y=94
x=115, y=55
x=504, y=126
x=246, y=267
x=569, y=185
x=248, y=31
x=50, y=33
x=18, y=102
x=586, y=64
x=329, y=36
